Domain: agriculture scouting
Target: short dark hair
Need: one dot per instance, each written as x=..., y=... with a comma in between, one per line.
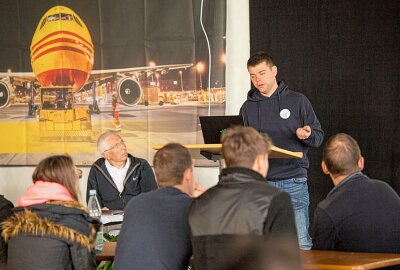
x=341, y=154
x=170, y=163
x=260, y=57
x=241, y=146
x=58, y=169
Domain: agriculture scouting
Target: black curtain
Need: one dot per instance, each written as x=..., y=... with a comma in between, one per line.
x=344, y=56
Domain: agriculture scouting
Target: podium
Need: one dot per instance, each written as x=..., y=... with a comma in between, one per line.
x=213, y=151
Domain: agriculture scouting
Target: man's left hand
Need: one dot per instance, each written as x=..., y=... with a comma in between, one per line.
x=303, y=133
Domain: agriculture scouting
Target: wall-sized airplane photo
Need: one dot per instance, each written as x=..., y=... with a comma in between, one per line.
x=67, y=78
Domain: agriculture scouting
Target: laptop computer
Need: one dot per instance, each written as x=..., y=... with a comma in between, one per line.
x=213, y=126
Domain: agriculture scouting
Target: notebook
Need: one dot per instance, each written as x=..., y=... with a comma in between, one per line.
x=213, y=126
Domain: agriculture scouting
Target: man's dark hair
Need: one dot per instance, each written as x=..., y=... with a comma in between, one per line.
x=341, y=154
x=170, y=163
x=260, y=57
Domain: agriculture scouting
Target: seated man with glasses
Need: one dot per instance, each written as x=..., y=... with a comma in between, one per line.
x=118, y=176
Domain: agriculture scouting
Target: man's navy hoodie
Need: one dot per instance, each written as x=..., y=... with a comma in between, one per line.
x=279, y=116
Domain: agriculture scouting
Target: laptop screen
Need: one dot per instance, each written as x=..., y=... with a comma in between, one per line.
x=213, y=126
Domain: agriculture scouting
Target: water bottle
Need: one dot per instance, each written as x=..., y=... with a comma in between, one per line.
x=95, y=212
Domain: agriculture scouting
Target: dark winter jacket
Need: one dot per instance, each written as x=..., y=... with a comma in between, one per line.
x=5, y=211
x=238, y=209
x=279, y=116
x=53, y=235
x=139, y=178
x=155, y=233
x=359, y=214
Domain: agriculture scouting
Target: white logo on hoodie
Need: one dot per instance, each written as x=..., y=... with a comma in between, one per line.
x=284, y=114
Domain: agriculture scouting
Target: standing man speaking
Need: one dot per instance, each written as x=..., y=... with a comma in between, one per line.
x=289, y=119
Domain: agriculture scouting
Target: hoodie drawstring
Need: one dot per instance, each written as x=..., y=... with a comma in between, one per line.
x=259, y=116
x=279, y=102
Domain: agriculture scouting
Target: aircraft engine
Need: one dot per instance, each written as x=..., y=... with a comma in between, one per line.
x=6, y=94
x=129, y=91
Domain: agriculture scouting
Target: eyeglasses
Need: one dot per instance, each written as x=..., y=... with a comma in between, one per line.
x=116, y=146
x=78, y=173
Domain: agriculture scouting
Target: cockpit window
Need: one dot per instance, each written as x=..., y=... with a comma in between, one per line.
x=66, y=17
x=43, y=23
x=77, y=21
x=54, y=17
x=60, y=16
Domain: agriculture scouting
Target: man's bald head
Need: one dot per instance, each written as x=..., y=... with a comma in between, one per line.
x=341, y=155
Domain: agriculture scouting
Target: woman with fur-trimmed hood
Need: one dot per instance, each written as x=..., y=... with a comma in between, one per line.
x=50, y=229
x=5, y=212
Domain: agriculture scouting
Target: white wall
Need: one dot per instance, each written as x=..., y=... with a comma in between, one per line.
x=15, y=180
x=237, y=53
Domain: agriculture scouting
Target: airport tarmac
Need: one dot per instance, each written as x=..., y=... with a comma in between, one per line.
x=142, y=127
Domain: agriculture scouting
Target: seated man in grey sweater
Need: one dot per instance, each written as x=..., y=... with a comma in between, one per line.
x=359, y=213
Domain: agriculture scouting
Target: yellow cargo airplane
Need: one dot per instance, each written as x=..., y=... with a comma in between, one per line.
x=62, y=56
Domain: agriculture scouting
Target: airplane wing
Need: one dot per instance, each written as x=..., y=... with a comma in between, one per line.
x=18, y=76
x=101, y=74
x=137, y=71
x=128, y=87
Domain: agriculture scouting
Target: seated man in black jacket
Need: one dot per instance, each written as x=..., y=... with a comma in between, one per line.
x=118, y=176
x=242, y=221
x=359, y=213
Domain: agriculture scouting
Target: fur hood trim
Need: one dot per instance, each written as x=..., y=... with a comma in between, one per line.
x=73, y=204
x=29, y=223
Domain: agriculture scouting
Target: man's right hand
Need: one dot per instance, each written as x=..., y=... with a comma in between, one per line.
x=303, y=132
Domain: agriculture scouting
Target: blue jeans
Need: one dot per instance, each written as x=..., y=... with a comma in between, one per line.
x=298, y=190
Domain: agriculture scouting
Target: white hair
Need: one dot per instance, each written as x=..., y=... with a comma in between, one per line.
x=102, y=144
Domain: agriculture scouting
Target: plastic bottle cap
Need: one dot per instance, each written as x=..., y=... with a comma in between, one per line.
x=92, y=192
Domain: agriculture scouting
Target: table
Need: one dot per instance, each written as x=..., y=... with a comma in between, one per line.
x=338, y=260
x=213, y=152
x=108, y=252
x=112, y=220
x=313, y=259
x=276, y=152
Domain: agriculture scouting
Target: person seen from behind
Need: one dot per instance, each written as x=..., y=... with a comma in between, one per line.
x=242, y=210
x=155, y=233
x=50, y=229
x=359, y=214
